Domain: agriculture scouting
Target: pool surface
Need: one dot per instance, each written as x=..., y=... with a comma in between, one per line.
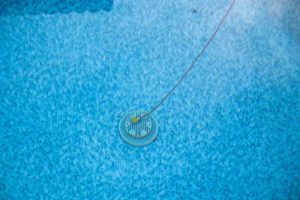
x=230, y=131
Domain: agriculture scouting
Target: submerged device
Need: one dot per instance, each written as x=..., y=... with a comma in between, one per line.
x=138, y=129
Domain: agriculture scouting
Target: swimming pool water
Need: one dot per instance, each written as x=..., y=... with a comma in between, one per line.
x=230, y=131
x=38, y=7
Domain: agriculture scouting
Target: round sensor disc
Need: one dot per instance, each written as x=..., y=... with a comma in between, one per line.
x=139, y=133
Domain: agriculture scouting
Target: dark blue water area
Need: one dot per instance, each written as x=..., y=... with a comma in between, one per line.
x=36, y=7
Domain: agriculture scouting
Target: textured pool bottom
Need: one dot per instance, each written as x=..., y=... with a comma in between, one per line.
x=141, y=133
x=231, y=131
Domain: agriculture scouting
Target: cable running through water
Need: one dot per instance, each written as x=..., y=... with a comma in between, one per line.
x=193, y=63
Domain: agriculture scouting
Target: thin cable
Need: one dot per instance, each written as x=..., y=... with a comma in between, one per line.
x=193, y=63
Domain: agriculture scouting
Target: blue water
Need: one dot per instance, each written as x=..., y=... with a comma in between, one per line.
x=38, y=7
x=230, y=131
